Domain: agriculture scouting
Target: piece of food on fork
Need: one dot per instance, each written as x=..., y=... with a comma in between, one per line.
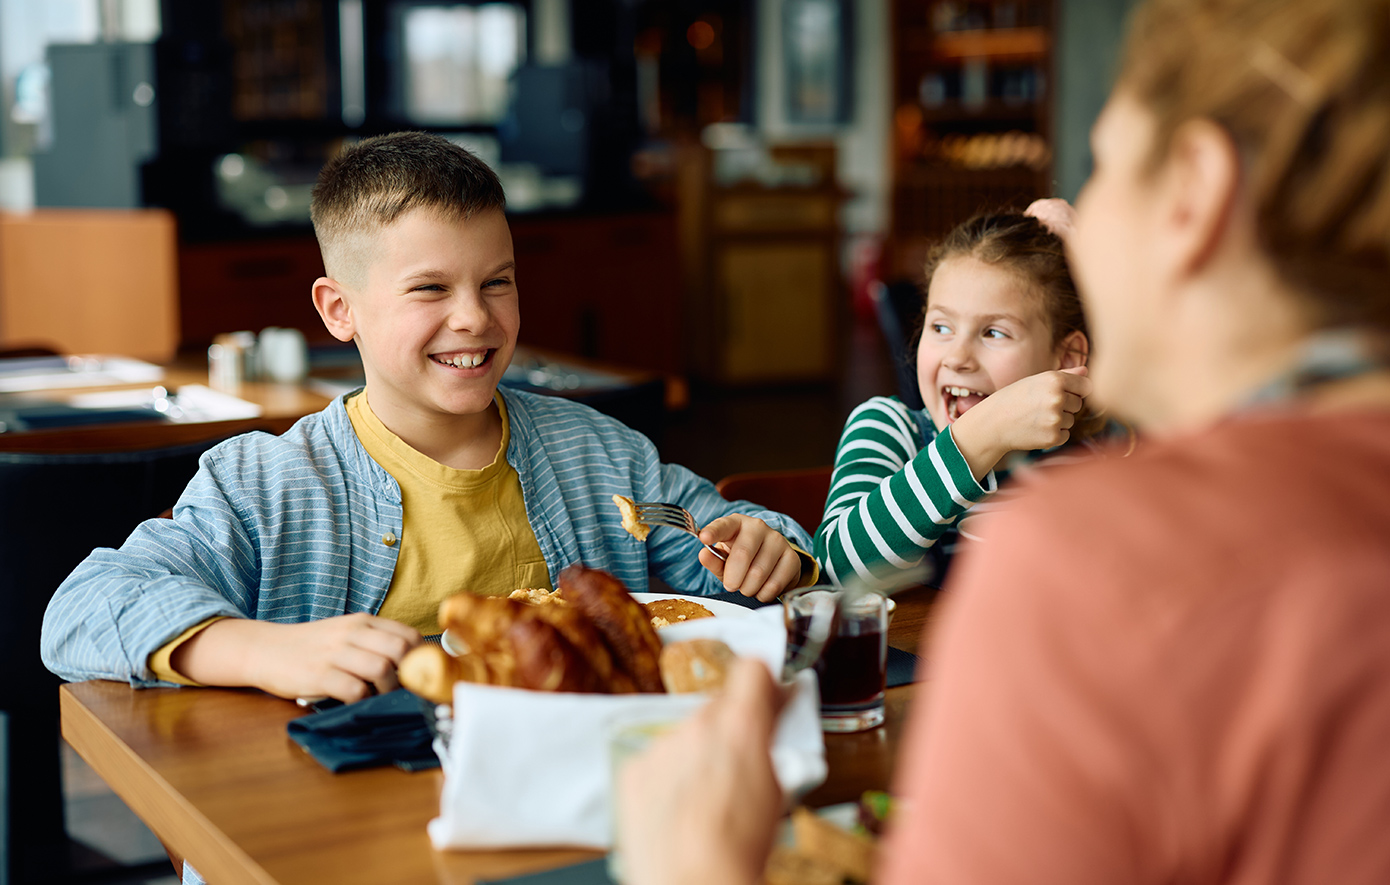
x=632, y=523
x=639, y=519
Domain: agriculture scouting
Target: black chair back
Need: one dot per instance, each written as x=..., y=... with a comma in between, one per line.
x=54, y=509
x=898, y=307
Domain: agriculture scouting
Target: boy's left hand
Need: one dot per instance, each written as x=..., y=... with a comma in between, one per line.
x=761, y=562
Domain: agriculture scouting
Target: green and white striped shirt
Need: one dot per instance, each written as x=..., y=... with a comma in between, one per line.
x=898, y=487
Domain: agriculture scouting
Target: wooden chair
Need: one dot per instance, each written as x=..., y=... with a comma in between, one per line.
x=799, y=494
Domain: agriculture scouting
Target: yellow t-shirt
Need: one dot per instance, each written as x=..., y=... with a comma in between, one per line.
x=460, y=529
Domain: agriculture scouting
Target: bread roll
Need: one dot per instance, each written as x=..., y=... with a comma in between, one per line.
x=695, y=665
x=430, y=672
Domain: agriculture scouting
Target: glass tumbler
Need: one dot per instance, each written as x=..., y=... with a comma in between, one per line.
x=853, y=666
x=628, y=740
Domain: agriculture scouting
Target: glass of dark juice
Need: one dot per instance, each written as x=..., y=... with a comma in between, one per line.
x=853, y=667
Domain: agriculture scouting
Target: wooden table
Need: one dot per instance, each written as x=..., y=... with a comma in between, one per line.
x=281, y=406
x=215, y=776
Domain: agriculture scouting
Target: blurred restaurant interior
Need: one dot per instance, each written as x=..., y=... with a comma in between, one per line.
x=712, y=202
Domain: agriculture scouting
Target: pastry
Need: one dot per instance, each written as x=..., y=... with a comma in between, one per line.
x=665, y=612
x=586, y=640
x=595, y=638
x=430, y=672
x=546, y=661
x=695, y=665
x=624, y=624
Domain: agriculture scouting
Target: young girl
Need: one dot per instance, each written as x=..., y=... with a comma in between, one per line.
x=1001, y=364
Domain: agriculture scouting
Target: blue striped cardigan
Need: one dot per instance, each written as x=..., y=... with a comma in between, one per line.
x=292, y=528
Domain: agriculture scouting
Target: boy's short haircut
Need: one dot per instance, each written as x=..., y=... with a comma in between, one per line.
x=376, y=181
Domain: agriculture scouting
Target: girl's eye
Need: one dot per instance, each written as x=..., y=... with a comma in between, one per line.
x=941, y=328
x=429, y=287
x=500, y=281
x=996, y=333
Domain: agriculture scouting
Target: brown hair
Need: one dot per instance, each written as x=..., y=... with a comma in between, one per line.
x=376, y=181
x=1025, y=247
x=1303, y=88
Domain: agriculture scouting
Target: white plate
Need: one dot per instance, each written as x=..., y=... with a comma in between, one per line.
x=717, y=607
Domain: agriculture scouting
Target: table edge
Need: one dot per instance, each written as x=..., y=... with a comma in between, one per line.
x=189, y=833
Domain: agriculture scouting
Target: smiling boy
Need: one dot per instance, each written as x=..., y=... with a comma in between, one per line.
x=308, y=564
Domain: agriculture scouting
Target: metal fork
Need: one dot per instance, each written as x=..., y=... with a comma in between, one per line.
x=675, y=517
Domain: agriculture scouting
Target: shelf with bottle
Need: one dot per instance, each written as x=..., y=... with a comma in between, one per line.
x=1014, y=44
x=917, y=143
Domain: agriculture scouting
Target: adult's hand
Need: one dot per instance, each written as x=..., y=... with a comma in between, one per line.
x=1057, y=215
x=701, y=804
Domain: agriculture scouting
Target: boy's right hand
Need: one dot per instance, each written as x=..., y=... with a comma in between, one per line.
x=1036, y=412
x=343, y=657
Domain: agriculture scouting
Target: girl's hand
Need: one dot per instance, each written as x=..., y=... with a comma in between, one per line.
x=1036, y=412
x=701, y=804
x=343, y=657
x=761, y=562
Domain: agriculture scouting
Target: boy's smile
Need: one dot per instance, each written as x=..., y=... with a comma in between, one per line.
x=435, y=315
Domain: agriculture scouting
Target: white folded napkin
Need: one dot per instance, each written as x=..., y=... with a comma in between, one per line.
x=529, y=768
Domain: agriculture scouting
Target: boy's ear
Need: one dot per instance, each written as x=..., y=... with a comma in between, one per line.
x=330, y=300
x=1073, y=351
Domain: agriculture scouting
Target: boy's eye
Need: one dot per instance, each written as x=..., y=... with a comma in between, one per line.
x=429, y=287
x=996, y=333
x=941, y=328
x=500, y=281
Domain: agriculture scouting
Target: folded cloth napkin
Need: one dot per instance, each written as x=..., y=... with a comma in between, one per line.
x=902, y=667
x=389, y=729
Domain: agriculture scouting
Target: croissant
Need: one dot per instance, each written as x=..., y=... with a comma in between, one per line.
x=546, y=661
x=586, y=640
x=594, y=639
x=431, y=672
x=625, y=625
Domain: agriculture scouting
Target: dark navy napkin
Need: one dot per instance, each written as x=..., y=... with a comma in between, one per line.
x=590, y=872
x=389, y=729
x=902, y=667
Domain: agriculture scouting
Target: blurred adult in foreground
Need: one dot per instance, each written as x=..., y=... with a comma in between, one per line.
x=1173, y=667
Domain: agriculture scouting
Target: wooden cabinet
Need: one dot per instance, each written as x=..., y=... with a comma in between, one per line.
x=90, y=281
x=249, y=284
x=762, y=272
x=603, y=287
